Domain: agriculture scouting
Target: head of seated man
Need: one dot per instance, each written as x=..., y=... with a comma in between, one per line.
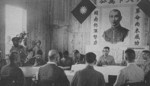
x=53, y=55
x=78, y=58
x=90, y=58
x=11, y=58
x=105, y=59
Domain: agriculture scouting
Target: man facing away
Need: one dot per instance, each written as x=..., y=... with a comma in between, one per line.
x=132, y=73
x=116, y=33
x=88, y=76
x=11, y=74
x=50, y=74
x=106, y=59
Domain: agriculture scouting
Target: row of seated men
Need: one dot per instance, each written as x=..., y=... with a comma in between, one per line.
x=52, y=75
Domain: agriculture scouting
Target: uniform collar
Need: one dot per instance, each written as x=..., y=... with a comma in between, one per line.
x=89, y=67
x=51, y=63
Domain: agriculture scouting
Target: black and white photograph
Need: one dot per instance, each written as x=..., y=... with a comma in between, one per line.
x=74, y=43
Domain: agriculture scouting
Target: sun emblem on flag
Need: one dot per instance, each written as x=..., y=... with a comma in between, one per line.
x=83, y=10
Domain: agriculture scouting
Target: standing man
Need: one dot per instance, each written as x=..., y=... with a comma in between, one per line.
x=116, y=33
x=106, y=59
x=11, y=74
x=130, y=74
x=50, y=74
x=88, y=76
x=20, y=50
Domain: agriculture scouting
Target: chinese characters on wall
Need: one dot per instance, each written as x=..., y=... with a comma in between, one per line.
x=95, y=27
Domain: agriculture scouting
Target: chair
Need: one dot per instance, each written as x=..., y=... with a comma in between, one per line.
x=111, y=79
x=147, y=79
x=135, y=84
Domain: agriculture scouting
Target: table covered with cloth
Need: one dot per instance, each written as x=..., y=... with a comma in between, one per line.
x=105, y=70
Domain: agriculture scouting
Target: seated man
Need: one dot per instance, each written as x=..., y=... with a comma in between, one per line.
x=36, y=60
x=132, y=73
x=145, y=62
x=11, y=74
x=50, y=74
x=66, y=62
x=88, y=76
x=106, y=59
x=78, y=58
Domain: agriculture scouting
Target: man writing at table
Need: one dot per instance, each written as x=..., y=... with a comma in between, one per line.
x=50, y=74
x=88, y=76
x=106, y=59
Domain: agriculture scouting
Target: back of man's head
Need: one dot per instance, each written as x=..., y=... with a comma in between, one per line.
x=90, y=57
x=53, y=55
x=130, y=55
x=12, y=57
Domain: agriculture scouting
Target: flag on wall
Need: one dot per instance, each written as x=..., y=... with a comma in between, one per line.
x=83, y=10
x=145, y=6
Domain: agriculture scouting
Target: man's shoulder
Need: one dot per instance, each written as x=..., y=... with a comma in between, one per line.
x=50, y=66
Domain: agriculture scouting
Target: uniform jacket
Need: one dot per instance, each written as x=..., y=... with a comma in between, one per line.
x=11, y=75
x=51, y=75
x=88, y=77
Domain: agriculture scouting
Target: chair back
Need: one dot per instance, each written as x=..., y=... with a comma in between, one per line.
x=147, y=79
x=135, y=84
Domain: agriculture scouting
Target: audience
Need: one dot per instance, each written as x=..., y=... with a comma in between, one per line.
x=78, y=58
x=11, y=74
x=36, y=60
x=88, y=76
x=66, y=62
x=106, y=59
x=50, y=74
x=132, y=73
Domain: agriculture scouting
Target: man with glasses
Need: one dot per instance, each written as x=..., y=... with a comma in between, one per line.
x=106, y=59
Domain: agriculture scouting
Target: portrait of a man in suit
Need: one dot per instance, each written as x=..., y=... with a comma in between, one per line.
x=116, y=33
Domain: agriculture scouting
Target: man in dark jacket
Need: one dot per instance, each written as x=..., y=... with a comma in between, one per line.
x=11, y=74
x=88, y=76
x=50, y=74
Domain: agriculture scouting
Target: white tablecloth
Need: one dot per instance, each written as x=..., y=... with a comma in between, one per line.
x=105, y=70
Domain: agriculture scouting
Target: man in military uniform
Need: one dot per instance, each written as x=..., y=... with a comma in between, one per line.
x=106, y=59
x=116, y=33
x=11, y=74
x=20, y=50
